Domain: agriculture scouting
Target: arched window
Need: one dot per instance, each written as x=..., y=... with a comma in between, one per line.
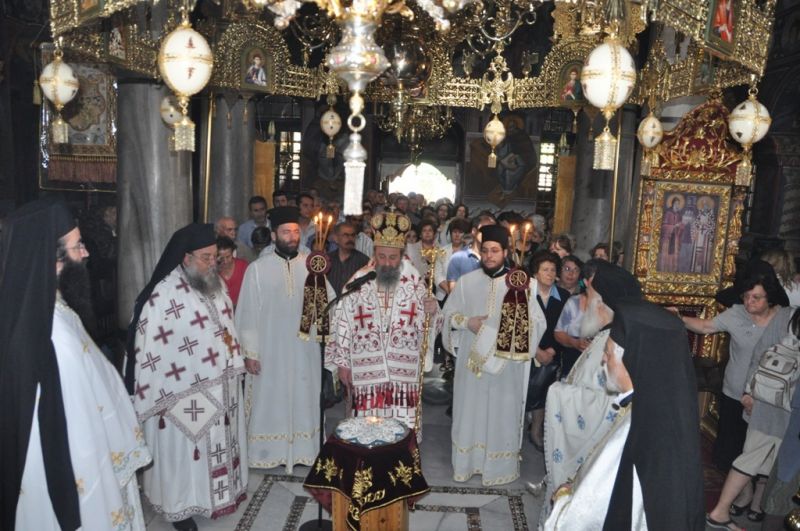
x=424, y=179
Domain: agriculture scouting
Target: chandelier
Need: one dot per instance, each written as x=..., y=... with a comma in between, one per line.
x=419, y=124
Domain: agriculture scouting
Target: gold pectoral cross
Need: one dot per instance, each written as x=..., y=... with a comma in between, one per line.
x=227, y=338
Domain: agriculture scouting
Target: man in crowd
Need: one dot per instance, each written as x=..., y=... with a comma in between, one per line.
x=646, y=472
x=456, y=230
x=258, y=218
x=377, y=332
x=468, y=259
x=188, y=391
x=284, y=383
x=226, y=228
x=305, y=202
x=483, y=317
x=582, y=399
x=280, y=199
x=345, y=260
x=66, y=420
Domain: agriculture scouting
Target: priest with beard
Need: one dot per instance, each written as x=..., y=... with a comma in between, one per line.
x=646, y=472
x=70, y=443
x=493, y=326
x=377, y=331
x=283, y=363
x=579, y=409
x=188, y=388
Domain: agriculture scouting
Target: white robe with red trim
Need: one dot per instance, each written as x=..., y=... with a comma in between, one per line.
x=381, y=348
x=188, y=398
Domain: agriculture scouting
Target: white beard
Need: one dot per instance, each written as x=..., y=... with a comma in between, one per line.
x=592, y=320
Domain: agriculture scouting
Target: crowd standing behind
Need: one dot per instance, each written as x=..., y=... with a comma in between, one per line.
x=215, y=283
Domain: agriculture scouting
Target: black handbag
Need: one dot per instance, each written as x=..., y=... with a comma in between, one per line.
x=541, y=379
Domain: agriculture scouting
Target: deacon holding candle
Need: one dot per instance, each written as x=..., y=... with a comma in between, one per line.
x=279, y=320
x=493, y=324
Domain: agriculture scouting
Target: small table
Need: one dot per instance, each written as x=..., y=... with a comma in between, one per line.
x=367, y=489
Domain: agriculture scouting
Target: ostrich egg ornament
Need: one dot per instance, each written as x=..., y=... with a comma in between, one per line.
x=748, y=123
x=59, y=85
x=494, y=133
x=608, y=76
x=169, y=110
x=331, y=124
x=607, y=79
x=185, y=62
x=650, y=132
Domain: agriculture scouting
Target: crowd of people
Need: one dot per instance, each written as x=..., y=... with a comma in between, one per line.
x=223, y=370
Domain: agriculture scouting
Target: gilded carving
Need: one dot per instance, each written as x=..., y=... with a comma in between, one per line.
x=696, y=161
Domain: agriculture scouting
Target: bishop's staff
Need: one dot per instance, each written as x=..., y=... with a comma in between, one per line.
x=431, y=256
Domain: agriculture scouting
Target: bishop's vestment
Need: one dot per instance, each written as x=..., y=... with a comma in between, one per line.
x=282, y=401
x=188, y=396
x=105, y=441
x=378, y=335
x=490, y=387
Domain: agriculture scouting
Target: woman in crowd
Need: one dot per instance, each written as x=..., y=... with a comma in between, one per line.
x=551, y=298
x=761, y=297
x=561, y=245
x=570, y=274
x=443, y=216
x=230, y=268
x=412, y=236
x=765, y=430
x=783, y=265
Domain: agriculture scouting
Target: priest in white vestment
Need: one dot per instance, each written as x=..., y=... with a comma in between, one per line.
x=105, y=445
x=377, y=331
x=492, y=325
x=578, y=410
x=645, y=472
x=188, y=388
x=283, y=384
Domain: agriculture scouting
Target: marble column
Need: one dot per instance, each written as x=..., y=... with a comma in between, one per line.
x=591, y=210
x=628, y=182
x=230, y=172
x=591, y=213
x=153, y=189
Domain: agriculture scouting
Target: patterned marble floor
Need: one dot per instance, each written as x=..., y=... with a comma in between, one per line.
x=450, y=505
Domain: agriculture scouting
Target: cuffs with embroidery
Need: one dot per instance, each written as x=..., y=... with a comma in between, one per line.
x=250, y=355
x=459, y=321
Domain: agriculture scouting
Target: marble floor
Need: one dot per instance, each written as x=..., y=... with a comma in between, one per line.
x=450, y=505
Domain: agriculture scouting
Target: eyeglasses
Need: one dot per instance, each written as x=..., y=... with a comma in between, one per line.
x=80, y=246
x=751, y=297
x=571, y=269
x=205, y=258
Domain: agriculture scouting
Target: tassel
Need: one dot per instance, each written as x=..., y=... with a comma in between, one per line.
x=161, y=423
x=330, y=152
x=37, y=93
x=227, y=420
x=196, y=454
x=605, y=147
x=492, y=159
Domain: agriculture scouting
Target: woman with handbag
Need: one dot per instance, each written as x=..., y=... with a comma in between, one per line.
x=768, y=422
x=551, y=298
